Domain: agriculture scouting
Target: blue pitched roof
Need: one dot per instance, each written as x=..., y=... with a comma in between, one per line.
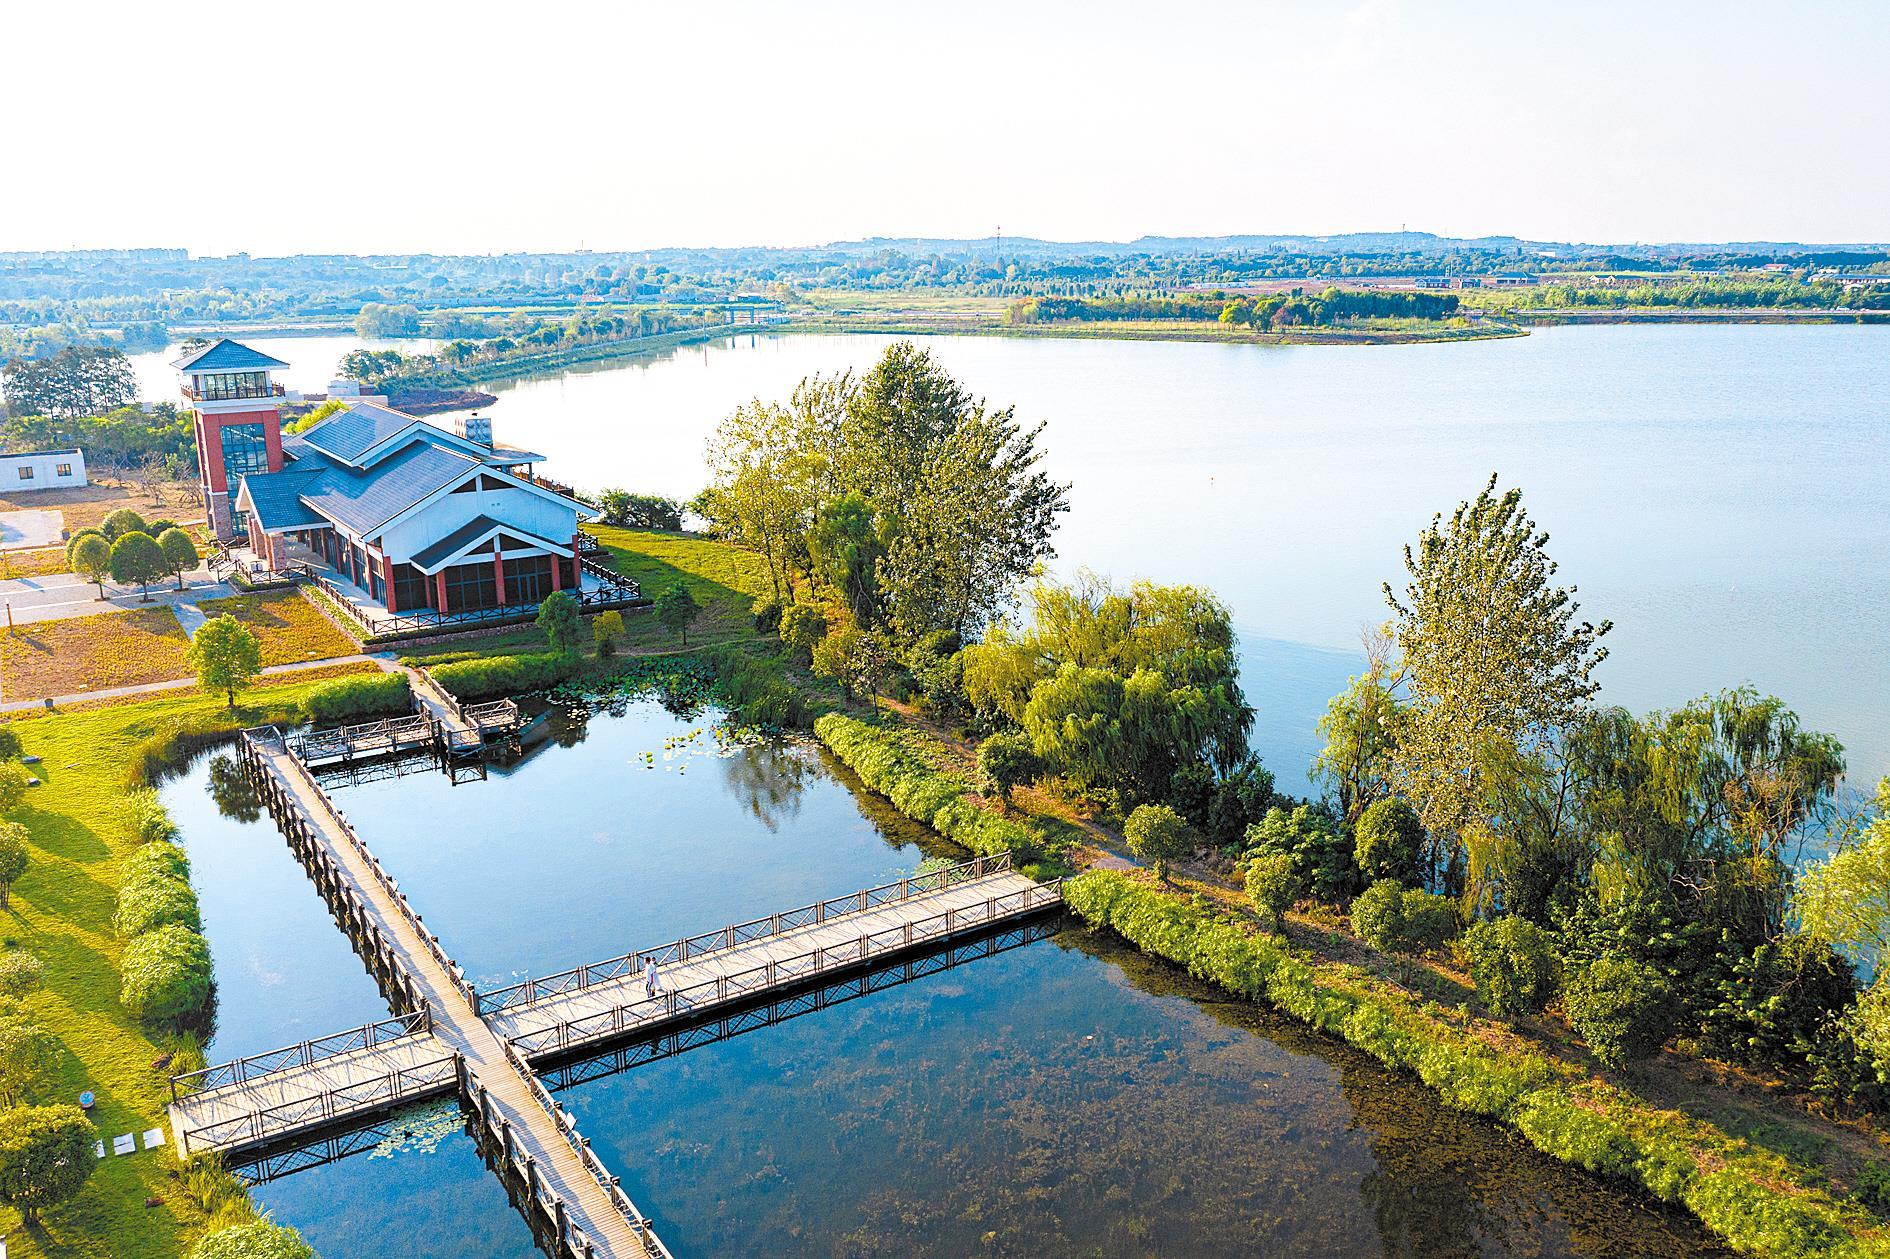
x=226, y=355
x=351, y=433
x=363, y=501
x=277, y=498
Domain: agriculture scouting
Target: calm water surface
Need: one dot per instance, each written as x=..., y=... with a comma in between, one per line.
x=1063, y=1097
x=1721, y=493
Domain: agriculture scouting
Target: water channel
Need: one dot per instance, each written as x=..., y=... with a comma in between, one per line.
x=1064, y=1097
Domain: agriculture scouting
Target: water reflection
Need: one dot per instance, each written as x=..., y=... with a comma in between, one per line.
x=1066, y=1097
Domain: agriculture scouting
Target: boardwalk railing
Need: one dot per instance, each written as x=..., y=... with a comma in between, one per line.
x=628, y=1018
x=287, y=1118
x=571, y=1239
x=531, y=991
x=307, y=1054
x=390, y=734
x=617, y=592
x=259, y=737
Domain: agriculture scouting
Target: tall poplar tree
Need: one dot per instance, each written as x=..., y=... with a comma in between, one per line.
x=1497, y=668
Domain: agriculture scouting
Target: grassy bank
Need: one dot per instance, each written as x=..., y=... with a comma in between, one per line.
x=81, y=834
x=1753, y=1198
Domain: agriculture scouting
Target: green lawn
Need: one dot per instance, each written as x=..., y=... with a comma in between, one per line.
x=61, y=910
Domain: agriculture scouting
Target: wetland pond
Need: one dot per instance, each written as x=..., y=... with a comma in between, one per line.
x=1062, y=1096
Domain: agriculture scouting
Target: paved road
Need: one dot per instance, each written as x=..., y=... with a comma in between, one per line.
x=59, y=595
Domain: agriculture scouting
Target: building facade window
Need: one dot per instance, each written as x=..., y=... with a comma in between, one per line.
x=527, y=580
x=412, y=588
x=472, y=585
x=245, y=449
x=228, y=386
x=26, y=472
x=64, y=469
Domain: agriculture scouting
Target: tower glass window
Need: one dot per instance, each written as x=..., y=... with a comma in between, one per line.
x=245, y=450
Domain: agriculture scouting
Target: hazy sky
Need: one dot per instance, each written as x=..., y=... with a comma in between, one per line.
x=391, y=126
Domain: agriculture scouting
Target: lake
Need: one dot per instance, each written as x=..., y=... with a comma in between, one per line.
x=1722, y=494
x=1063, y=1096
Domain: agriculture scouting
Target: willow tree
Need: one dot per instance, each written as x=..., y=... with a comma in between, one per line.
x=1496, y=668
x=769, y=466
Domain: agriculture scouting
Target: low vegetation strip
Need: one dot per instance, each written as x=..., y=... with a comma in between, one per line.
x=106, y=906
x=894, y=763
x=1755, y=1200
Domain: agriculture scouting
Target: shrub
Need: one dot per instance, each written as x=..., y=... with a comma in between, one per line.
x=1390, y=842
x=1872, y=1187
x=1157, y=834
x=1512, y=962
x=801, y=626
x=13, y=858
x=607, y=631
x=1273, y=884
x=1007, y=760
x=767, y=610
x=20, y=974
x=504, y=675
x=1620, y=1007
x=122, y=522
x=1430, y=920
x=26, y=1051
x=1378, y=916
x=45, y=1156
x=1319, y=850
x=150, y=821
x=359, y=695
x=887, y=761
x=161, y=860
x=561, y=621
x=1771, y=1005
x=152, y=901
x=9, y=742
x=165, y=974
x=258, y=1239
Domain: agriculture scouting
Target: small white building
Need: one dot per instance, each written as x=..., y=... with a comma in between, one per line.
x=42, y=470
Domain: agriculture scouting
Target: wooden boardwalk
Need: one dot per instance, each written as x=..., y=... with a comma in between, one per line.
x=449, y=1038
x=578, y=1199
x=617, y=1002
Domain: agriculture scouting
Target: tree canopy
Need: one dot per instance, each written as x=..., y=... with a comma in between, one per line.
x=45, y=1156
x=77, y=381
x=226, y=655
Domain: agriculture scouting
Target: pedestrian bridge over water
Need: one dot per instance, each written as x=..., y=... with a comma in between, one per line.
x=487, y=1047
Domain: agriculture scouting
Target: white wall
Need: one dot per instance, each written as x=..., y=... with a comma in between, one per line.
x=45, y=471
x=522, y=509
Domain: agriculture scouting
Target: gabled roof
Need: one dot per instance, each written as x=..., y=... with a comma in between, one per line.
x=363, y=501
x=276, y=498
x=364, y=433
x=226, y=355
x=429, y=559
x=355, y=429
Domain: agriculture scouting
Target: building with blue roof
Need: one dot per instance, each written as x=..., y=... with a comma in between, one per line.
x=414, y=515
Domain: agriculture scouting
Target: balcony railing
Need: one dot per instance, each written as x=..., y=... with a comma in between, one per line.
x=232, y=393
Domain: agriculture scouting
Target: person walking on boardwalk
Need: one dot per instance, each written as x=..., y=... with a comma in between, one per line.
x=652, y=986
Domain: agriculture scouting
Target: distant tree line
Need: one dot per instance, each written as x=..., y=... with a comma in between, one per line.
x=1333, y=306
